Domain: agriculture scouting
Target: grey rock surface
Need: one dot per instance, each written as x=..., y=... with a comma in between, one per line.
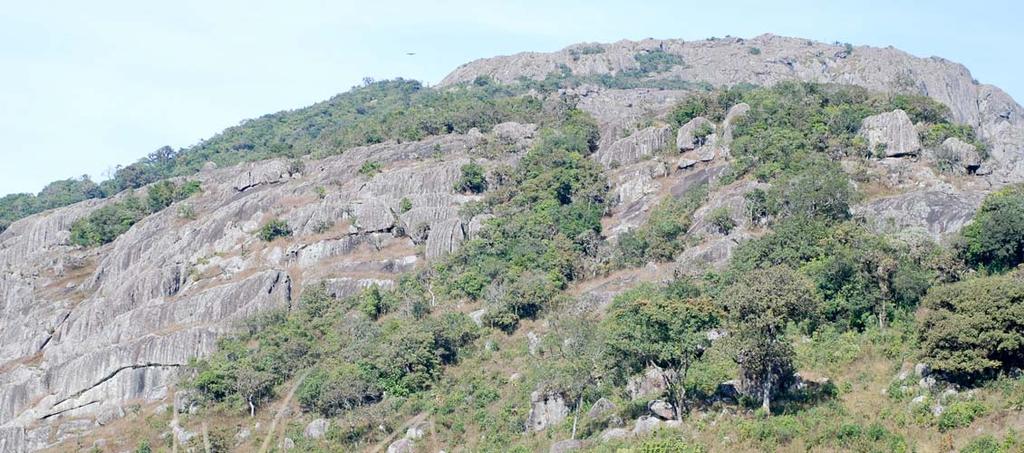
x=546, y=409
x=891, y=134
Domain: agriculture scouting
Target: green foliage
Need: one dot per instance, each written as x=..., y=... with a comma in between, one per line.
x=405, y=205
x=105, y=224
x=370, y=168
x=972, y=329
x=754, y=51
x=275, y=228
x=352, y=361
x=994, y=240
x=472, y=180
x=144, y=447
x=646, y=326
x=661, y=237
x=654, y=61
x=54, y=195
x=548, y=217
x=921, y=109
x=760, y=306
x=960, y=414
x=721, y=220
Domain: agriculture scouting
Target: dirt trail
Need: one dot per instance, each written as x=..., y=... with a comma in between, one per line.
x=281, y=409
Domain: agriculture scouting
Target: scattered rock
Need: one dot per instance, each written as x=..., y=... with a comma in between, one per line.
x=478, y=317
x=601, y=408
x=685, y=163
x=563, y=446
x=401, y=446
x=614, y=434
x=288, y=443
x=646, y=425
x=416, y=431
x=243, y=435
x=662, y=409
x=806, y=380
x=964, y=153
x=546, y=409
x=316, y=429
x=922, y=370
x=729, y=390
x=650, y=384
x=534, y=343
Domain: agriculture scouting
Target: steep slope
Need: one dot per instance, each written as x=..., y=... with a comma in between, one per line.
x=85, y=333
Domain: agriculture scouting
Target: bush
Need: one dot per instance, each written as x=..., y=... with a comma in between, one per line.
x=105, y=224
x=970, y=330
x=404, y=205
x=370, y=168
x=721, y=220
x=994, y=240
x=472, y=179
x=661, y=237
x=274, y=229
x=960, y=414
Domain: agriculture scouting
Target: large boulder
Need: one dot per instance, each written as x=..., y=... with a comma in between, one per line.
x=635, y=147
x=546, y=409
x=651, y=384
x=963, y=153
x=729, y=125
x=316, y=429
x=646, y=425
x=567, y=445
x=662, y=409
x=891, y=134
x=696, y=133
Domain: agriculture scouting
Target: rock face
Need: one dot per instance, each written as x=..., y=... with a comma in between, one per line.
x=891, y=134
x=85, y=332
x=937, y=214
x=727, y=62
x=82, y=332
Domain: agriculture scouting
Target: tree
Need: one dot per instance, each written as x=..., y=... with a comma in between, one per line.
x=995, y=238
x=646, y=328
x=760, y=306
x=578, y=362
x=252, y=384
x=972, y=329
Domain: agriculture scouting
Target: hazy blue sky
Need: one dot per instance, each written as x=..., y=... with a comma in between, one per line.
x=88, y=85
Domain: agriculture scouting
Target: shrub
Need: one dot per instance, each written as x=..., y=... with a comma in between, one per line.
x=660, y=238
x=972, y=329
x=960, y=414
x=472, y=179
x=754, y=51
x=107, y=223
x=404, y=205
x=274, y=229
x=721, y=220
x=370, y=168
x=994, y=240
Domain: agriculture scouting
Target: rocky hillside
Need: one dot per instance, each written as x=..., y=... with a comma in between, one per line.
x=99, y=332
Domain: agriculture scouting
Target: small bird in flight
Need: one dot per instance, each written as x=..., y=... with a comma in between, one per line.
x=410, y=53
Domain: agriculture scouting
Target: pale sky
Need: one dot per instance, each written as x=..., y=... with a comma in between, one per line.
x=86, y=85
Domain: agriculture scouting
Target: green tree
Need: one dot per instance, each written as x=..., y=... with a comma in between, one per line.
x=972, y=329
x=472, y=179
x=994, y=240
x=646, y=328
x=760, y=305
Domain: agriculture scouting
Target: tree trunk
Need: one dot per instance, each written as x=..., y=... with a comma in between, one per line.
x=252, y=408
x=576, y=416
x=766, y=397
